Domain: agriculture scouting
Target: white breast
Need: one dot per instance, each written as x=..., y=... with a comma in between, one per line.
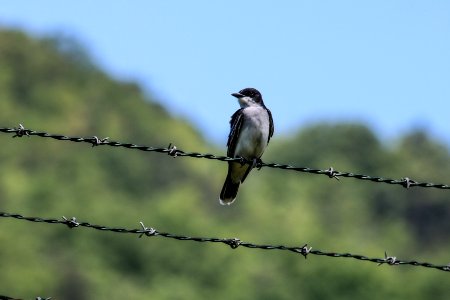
x=254, y=133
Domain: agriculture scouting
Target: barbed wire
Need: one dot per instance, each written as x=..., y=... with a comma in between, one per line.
x=172, y=150
x=234, y=243
x=2, y=297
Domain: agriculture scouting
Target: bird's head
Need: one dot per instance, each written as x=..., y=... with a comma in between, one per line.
x=249, y=97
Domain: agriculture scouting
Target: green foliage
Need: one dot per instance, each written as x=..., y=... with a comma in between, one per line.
x=51, y=84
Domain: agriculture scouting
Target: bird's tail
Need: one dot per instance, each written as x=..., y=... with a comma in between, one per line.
x=229, y=191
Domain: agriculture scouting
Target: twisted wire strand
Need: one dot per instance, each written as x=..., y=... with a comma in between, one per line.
x=232, y=242
x=3, y=297
x=174, y=152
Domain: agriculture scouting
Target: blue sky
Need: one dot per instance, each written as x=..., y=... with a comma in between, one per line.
x=385, y=63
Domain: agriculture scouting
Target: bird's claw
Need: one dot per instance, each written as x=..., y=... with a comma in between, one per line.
x=257, y=163
x=242, y=160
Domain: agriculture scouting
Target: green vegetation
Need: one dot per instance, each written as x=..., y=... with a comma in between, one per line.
x=51, y=85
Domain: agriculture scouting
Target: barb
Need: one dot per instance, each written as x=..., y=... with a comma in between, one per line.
x=173, y=151
x=232, y=242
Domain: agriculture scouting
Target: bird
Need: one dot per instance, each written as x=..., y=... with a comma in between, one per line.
x=251, y=128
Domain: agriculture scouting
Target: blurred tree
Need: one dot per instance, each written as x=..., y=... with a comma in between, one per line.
x=349, y=145
x=51, y=84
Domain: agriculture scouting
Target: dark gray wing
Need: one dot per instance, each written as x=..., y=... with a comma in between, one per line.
x=235, y=129
x=271, y=126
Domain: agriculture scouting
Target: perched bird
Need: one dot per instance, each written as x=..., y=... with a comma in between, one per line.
x=251, y=129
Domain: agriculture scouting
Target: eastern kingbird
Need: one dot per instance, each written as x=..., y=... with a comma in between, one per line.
x=251, y=130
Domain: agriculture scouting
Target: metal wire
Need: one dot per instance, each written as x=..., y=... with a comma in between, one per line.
x=232, y=242
x=2, y=297
x=174, y=152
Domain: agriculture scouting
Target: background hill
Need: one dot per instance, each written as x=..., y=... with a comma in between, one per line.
x=52, y=85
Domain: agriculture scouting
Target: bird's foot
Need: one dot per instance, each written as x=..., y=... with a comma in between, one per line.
x=242, y=160
x=257, y=163
x=254, y=163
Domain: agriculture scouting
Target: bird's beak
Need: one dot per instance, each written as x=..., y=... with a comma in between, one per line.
x=237, y=95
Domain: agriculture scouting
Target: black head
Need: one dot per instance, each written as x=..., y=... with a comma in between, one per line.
x=252, y=93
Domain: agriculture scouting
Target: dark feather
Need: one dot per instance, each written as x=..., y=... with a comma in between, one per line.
x=271, y=126
x=235, y=124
